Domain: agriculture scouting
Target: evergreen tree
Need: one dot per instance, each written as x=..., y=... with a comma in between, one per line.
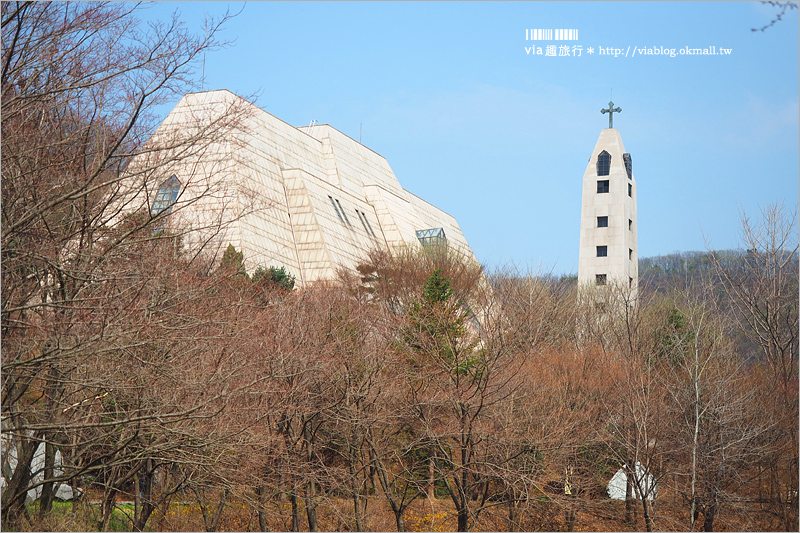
x=274, y=276
x=233, y=262
x=437, y=327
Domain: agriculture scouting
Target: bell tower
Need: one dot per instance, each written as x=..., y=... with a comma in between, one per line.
x=608, y=244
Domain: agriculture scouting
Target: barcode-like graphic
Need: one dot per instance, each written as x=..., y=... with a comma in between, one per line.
x=551, y=35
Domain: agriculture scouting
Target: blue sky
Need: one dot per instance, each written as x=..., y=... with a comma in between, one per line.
x=500, y=138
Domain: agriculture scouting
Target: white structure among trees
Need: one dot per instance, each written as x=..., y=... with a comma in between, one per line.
x=309, y=199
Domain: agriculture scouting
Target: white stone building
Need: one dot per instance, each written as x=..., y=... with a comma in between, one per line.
x=608, y=250
x=310, y=199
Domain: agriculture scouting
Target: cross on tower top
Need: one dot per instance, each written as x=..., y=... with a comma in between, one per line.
x=611, y=110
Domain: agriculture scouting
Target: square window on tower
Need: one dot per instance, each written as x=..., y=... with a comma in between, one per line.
x=602, y=222
x=600, y=279
x=602, y=251
x=602, y=186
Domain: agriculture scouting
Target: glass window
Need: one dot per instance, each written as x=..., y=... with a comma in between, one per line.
x=361, y=218
x=626, y=158
x=369, y=226
x=600, y=279
x=602, y=186
x=603, y=163
x=166, y=196
x=602, y=222
x=630, y=225
x=630, y=190
x=602, y=251
x=343, y=213
x=338, y=214
x=630, y=254
x=432, y=237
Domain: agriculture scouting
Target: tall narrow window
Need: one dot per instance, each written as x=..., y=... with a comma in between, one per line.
x=362, y=221
x=630, y=225
x=630, y=190
x=166, y=196
x=338, y=214
x=600, y=279
x=603, y=163
x=602, y=251
x=626, y=158
x=602, y=222
x=369, y=226
x=630, y=254
x=343, y=213
x=602, y=186
x=630, y=282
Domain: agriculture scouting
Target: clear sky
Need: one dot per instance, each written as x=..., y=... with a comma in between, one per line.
x=472, y=122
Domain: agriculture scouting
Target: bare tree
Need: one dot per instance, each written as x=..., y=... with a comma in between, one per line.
x=718, y=435
x=637, y=426
x=86, y=332
x=762, y=284
x=457, y=377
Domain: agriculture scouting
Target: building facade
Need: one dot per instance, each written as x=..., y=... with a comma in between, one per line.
x=608, y=239
x=309, y=199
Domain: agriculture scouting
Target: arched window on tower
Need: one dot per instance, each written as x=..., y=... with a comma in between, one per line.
x=603, y=163
x=166, y=197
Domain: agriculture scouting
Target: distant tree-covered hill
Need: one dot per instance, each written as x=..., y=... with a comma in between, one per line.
x=680, y=269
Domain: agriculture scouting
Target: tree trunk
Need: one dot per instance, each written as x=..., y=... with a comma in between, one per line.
x=311, y=507
x=695, y=440
x=356, y=491
x=310, y=488
x=137, y=497
x=144, y=516
x=642, y=495
x=648, y=515
x=295, y=509
x=463, y=509
x=48, y=489
x=397, y=509
x=13, y=501
x=357, y=509
x=512, y=508
x=261, y=492
x=630, y=507
x=106, y=508
x=463, y=519
x=143, y=499
x=262, y=520
x=709, y=515
x=430, y=489
x=211, y=519
x=218, y=512
x=569, y=518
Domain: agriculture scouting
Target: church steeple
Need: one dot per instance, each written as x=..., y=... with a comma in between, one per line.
x=608, y=240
